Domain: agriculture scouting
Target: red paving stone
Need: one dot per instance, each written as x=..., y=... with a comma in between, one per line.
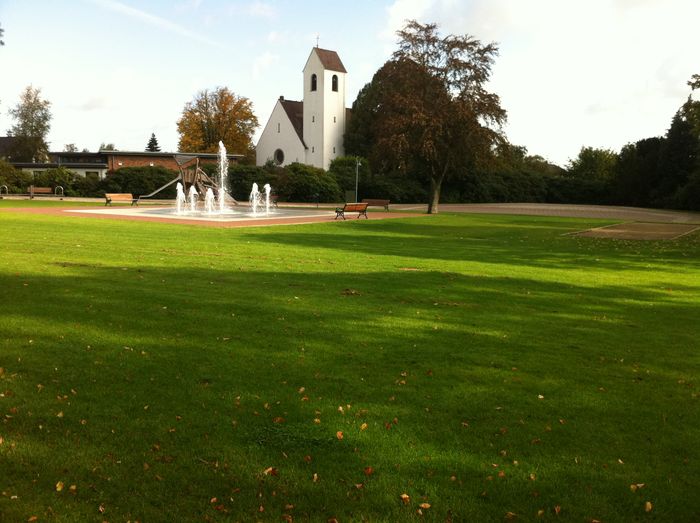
x=263, y=222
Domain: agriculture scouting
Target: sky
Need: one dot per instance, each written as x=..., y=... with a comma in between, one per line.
x=570, y=73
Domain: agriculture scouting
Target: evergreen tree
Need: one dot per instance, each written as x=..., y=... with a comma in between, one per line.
x=153, y=144
x=677, y=160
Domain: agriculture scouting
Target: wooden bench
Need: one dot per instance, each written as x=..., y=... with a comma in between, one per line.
x=120, y=197
x=45, y=191
x=377, y=203
x=359, y=208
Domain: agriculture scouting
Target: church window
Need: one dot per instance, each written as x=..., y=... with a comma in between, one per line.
x=279, y=157
x=278, y=127
x=334, y=83
x=313, y=82
x=333, y=150
x=313, y=118
x=334, y=119
x=312, y=148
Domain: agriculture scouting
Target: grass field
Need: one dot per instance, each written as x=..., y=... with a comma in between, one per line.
x=485, y=367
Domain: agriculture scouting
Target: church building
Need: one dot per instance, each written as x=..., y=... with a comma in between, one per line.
x=310, y=131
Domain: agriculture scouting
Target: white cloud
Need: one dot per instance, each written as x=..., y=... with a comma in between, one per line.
x=262, y=63
x=598, y=72
x=261, y=9
x=157, y=21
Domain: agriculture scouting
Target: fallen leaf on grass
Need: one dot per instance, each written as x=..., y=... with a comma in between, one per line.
x=511, y=515
x=369, y=471
x=557, y=509
x=271, y=471
x=636, y=486
x=648, y=506
x=315, y=478
x=424, y=505
x=363, y=426
x=405, y=498
x=278, y=419
x=59, y=486
x=339, y=434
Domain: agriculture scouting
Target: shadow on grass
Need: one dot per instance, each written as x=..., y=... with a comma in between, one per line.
x=529, y=242
x=206, y=378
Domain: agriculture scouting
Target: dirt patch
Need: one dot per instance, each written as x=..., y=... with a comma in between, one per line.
x=641, y=231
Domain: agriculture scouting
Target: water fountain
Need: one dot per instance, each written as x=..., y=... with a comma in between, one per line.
x=209, y=201
x=186, y=203
x=223, y=174
x=254, y=199
x=180, y=199
x=194, y=196
x=267, y=190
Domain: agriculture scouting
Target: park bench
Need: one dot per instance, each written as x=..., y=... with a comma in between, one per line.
x=377, y=203
x=120, y=197
x=45, y=191
x=359, y=208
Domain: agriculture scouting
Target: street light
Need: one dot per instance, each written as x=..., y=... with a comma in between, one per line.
x=357, y=175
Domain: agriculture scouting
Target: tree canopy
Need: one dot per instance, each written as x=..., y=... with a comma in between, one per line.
x=217, y=115
x=32, y=117
x=427, y=112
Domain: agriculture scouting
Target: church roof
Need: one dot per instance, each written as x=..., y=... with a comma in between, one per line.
x=330, y=60
x=295, y=113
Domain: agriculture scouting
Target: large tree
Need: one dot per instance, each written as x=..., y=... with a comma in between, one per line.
x=214, y=116
x=593, y=164
x=152, y=145
x=428, y=109
x=32, y=123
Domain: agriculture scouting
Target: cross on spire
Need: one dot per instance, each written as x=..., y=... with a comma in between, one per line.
x=317, y=38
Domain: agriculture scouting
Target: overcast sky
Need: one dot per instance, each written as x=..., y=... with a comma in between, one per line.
x=570, y=73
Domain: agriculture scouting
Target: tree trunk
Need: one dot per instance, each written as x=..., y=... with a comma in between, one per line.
x=434, y=197
x=435, y=187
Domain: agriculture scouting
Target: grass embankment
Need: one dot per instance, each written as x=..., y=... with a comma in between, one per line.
x=487, y=366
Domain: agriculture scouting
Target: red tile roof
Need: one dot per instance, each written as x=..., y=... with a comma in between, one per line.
x=330, y=60
x=295, y=113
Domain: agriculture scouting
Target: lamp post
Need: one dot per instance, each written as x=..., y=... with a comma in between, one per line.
x=357, y=175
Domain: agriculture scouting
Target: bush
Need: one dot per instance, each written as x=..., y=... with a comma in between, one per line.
x=303, y=183
x=59, y=176
x=139, y=181
x=242, y=177
x=17, y=181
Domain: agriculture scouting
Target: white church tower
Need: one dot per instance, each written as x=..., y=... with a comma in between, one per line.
x=310, y=131
x=324, y=107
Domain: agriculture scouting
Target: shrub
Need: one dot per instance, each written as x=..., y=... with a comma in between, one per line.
x=303, y=183
x=242, y=177
x=59, y=176
x=17, y=181
x=139, y=181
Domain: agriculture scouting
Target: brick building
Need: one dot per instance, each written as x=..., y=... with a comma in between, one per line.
x=97, y=165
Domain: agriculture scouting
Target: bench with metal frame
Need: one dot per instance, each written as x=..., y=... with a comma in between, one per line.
x=359, y=208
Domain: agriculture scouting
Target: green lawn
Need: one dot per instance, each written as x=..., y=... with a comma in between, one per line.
x=483, y=365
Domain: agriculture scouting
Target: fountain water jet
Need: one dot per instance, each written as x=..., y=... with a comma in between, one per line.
x=209, y=201
x=180, y=199
x=254, y=199
x=223, y=173
x=194, y=195
x=267, y=190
